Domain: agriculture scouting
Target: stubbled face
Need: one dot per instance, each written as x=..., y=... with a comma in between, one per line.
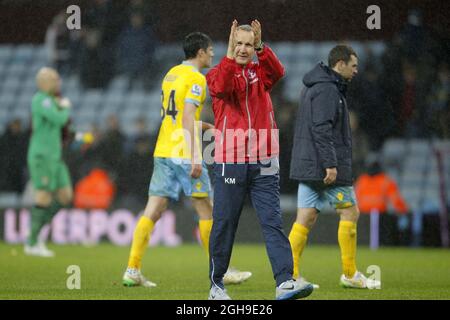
x=245, y=47
x=348, y=70
x=206, y=57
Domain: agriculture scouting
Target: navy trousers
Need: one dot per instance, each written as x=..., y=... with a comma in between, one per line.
x=233, y=182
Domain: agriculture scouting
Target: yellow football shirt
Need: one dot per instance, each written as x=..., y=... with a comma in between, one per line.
x=182, y=84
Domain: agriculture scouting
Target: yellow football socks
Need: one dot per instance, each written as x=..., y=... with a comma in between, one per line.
x=141, y=238
x=297, y=238
x=205, y=230
x=347, y=242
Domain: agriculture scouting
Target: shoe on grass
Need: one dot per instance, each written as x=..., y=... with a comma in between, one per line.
x=134, y=278
x=359, y=281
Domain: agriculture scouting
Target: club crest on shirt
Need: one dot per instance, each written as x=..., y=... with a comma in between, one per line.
x=196, y=90
x=252, y=77
x=46, y=103
x=251, y=74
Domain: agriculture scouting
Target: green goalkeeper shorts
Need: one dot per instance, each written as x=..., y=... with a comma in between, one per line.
x=48, y=175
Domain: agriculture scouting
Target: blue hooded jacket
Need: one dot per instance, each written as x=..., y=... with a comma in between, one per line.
x=322, y=137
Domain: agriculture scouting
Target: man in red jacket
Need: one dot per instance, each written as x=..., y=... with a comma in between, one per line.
x=246, y=157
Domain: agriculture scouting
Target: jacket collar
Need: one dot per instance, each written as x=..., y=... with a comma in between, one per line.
x=341, y=83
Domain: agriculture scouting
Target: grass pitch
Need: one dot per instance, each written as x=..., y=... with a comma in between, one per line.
x=182, y=273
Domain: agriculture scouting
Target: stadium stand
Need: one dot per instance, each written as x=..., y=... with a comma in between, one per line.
x=19, y=63
x=410, y=162
x=413, y=165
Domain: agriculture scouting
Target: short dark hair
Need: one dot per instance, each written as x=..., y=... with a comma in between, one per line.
x=338, y=53
x=194, y=42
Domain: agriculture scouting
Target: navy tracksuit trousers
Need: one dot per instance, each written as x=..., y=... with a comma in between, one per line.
x=232, y=184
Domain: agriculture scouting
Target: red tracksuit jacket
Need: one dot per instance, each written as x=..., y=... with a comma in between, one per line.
x=241, y=101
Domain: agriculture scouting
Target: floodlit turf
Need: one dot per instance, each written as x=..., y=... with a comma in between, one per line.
x=181, y=273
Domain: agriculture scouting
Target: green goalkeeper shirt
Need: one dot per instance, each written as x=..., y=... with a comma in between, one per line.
x=47, y=121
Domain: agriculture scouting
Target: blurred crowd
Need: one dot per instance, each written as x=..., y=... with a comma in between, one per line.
x=406, y=94
x=117, y=38
x=126, y=162
x=403, y=93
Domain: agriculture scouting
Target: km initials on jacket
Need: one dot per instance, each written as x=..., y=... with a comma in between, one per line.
x=230, y=180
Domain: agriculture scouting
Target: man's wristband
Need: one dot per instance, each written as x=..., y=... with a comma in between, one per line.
x=260, y=47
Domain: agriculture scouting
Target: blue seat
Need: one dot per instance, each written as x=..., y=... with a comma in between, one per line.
x=41, y=54
x=119, y=83
x=284, y=51
x=6, y=52
x=377, y=47
x=393, y=151
x=7, y=99
x=4, y=114
x=23, y=53
x=324, y=49
x=420, y=147
x=306, y=50
x=412, y=178
x=394, y=174
x=432, y=199
x=413, y=197
x=414, y=163
x=432, y=180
